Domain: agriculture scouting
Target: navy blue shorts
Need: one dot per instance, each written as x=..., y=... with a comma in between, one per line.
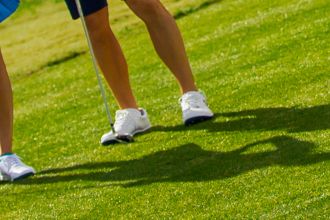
x=88, y=7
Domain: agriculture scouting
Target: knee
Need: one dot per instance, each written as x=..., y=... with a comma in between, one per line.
x=147, y=10
x=97, y=26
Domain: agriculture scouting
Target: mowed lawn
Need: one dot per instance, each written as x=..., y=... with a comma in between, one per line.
x=264, y=66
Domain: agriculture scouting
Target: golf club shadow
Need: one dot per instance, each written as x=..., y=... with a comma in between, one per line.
x=187, y=163
x=291, y=120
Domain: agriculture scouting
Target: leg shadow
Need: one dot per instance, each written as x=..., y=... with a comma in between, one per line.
x=188, y=163
x=265, y=119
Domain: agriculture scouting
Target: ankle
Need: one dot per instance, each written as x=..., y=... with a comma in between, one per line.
x=6, y=154
x=184, y=91
x=190, y=88
x=128, y=106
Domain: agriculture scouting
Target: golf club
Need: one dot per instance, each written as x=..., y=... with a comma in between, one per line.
x=122, y=138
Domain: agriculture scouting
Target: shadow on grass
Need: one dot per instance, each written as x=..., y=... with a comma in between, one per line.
x=265, y=119
x=188, y=163
x=188, y=11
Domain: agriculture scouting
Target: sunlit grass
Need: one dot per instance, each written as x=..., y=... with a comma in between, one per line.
x=264, y=66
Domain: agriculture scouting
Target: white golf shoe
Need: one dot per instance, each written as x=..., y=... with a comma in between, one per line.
x=194, y=108
x=12, y=168
x=128, y=123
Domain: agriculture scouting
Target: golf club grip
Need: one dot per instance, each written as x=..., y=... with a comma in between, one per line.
x=98, y=75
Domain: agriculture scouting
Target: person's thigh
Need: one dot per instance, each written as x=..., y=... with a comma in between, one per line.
x=88, y=6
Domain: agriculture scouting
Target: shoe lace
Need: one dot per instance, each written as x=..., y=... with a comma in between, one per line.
x=13, y=161
x=193, y=102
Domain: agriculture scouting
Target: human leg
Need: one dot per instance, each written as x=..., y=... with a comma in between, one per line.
x=169, y=45
x=11, y=167
x=130, y=119
x=166, y=38
x=110, y=58
x=6, y=110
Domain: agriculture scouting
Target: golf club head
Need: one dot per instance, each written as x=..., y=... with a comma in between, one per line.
x=118, y=138
x=124, y=138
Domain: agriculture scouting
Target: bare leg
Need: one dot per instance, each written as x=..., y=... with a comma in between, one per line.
x=166, y=38
x=110, y=58
x=6, y=110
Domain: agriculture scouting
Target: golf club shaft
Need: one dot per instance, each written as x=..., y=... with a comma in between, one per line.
x=98, y=75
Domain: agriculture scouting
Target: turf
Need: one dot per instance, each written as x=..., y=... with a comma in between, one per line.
x=264, y=66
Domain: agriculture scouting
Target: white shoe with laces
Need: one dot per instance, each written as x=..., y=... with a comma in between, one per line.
x=12, y=168
x=194, y=108
x=128, y=122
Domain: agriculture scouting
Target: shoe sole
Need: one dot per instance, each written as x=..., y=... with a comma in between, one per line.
x=195, y=120
x=121, y=140
x=23, y=176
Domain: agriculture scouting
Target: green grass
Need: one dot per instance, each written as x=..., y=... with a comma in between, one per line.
x=264, y=66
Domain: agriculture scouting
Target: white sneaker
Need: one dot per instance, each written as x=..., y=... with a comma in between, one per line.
x=4, y=177
x=12, y=168
x=194, y=108
x=128, y=122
